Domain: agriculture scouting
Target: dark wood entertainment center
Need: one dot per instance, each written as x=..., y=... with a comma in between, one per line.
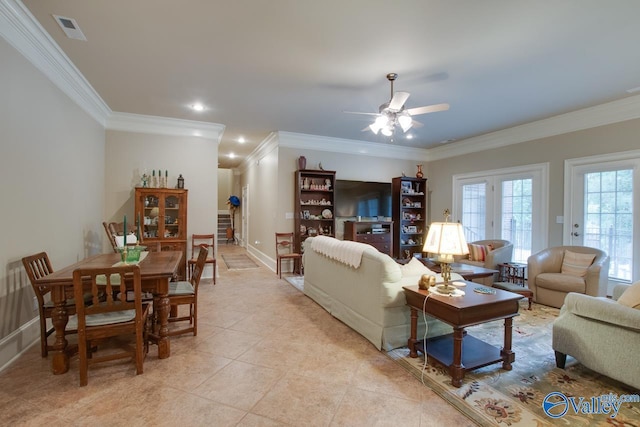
x=376, y=233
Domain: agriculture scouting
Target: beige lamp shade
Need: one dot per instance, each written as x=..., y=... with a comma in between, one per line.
x=446, y=238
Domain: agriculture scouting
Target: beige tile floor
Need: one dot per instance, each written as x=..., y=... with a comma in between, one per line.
x=265, y=355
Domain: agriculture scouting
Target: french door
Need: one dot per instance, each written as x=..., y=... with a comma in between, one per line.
x=600, y=209
x=509, y=204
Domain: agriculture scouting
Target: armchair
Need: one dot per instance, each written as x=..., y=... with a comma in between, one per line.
x=501, y=253
x=601, y=334
x=550, y=285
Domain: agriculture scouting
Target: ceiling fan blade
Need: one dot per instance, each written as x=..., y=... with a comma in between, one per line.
x=428, y=109
x=358, y=112
x=398, y=100
x=416, y=124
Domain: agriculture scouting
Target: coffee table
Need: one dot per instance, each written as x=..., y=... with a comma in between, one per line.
x=460, y=352
x=468, y=271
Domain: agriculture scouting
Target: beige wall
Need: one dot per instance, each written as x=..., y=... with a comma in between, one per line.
x=52, y=181
x=129, y=154
x=225, y=182
x=555, y=150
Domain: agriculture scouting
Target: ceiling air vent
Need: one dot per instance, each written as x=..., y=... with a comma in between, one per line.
x=70, y=27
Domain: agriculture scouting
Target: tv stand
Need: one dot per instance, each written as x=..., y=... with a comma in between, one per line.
x=376, y=233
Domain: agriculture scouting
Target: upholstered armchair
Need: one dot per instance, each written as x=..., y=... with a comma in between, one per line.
x=501, y=253
x=600, y=333
x=550, y=285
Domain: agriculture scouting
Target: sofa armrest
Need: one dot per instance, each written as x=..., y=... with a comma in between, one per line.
x=597, y=277
x=603, y=310
x=499, y=255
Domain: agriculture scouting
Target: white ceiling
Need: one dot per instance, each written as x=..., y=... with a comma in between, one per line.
x=266, y=65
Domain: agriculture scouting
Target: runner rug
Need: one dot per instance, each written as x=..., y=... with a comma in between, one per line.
x=492, y=396
x=238, y=261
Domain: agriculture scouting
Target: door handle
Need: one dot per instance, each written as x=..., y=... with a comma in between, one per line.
x=575, y=234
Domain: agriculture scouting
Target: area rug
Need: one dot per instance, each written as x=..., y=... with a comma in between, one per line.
x=492, y=396
x=238, y=261
x=296, y=281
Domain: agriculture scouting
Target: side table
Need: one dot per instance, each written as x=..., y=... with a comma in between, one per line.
x=513, y=272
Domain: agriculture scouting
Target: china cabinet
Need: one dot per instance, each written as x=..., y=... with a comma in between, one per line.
x=409, y=212
x=162, y=215
x=314, y=205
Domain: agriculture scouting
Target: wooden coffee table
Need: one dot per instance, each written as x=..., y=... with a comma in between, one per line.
x=461, y=352
x=468, y=271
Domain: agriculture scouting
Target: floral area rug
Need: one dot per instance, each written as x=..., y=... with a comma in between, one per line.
x=492, y=396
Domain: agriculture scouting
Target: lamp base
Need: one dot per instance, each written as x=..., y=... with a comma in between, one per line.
x=446, y=290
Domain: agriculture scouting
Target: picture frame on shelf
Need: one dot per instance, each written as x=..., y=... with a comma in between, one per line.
x=406, y=187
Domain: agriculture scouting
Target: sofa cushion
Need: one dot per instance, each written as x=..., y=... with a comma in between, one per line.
x=561, y=282
x=631, y=296
x=576, y=264
x=479, y=252
x=414, y=268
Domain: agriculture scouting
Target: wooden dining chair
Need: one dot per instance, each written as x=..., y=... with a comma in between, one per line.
x=198, y=240
x=38, y=266
x=109, y=315
x=114, y=229
x=284, y=251
x=186, y=292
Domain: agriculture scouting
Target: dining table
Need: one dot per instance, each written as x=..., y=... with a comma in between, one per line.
x=156, y=271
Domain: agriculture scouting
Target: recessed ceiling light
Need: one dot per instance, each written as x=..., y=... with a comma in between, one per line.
x=232, y=156
x=409, y=136
x=241, y=140
x=197, y=107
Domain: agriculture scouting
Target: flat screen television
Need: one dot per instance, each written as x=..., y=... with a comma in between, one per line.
x=362, y=198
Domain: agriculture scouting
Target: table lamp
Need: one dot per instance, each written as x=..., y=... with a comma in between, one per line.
x=446, y=239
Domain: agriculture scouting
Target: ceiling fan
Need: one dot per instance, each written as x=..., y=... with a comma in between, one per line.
x=393, y=113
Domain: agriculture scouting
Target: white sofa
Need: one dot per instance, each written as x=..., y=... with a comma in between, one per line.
x=369, y=298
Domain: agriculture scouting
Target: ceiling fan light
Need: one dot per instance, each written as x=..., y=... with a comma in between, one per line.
x=381, y=121
x=387, y=131
x=405, y=122
x=374, y=128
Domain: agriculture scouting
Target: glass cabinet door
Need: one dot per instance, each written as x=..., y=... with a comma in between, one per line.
x=171, y=221
x=151, y=220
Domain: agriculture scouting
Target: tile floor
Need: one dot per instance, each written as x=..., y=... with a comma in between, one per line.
x=265, y=355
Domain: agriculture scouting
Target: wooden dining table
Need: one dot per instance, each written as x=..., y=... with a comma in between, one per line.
x=156, y=270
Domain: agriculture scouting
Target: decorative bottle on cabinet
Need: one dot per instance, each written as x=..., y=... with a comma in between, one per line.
x=314, y=205
x=162, y=213
x=409, y=210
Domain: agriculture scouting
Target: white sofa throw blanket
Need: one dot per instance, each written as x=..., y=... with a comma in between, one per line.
x=344, y=251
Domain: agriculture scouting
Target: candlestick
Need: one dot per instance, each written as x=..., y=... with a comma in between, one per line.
x=125, y=231
x=138, y=228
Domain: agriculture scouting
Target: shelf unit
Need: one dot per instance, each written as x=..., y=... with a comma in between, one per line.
x=314, y=205
x=162, y=213
x=409, y=211
x=378, y=234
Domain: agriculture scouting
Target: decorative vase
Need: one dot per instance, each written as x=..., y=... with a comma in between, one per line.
x=302, y=163
x=419, y=174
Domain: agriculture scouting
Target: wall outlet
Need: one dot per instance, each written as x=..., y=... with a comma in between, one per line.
x=35, y=303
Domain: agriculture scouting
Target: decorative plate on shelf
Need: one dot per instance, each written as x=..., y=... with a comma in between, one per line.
x=327, y=214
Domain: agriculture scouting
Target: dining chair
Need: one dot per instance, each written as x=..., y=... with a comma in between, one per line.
x=186, y=292
x=38, y=266
x=284, y=251
x=198, y=240
x=114, y=229
x=109, y=315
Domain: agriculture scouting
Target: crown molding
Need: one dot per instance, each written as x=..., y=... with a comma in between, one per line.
x=164, y=126
x=348, y=146
x=604, y=114
x=271, y=142
x=22, y=31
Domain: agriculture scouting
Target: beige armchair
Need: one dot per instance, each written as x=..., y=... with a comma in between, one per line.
x=550, y=286
x=502, y=253
x=601, y=334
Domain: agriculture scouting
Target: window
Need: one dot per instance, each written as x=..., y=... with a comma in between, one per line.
x=509, y=204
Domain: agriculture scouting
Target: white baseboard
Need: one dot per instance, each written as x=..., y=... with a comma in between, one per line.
x=13, y=345
x=269, y=262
